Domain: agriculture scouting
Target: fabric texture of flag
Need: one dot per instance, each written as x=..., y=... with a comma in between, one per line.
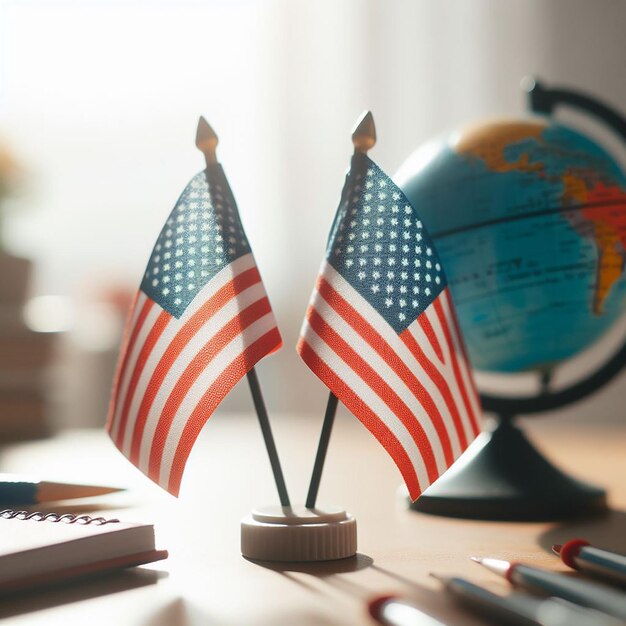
x=199, y=322
x=381, y=332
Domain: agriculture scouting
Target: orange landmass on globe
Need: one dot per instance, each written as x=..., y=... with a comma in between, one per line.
x=603, y=206
x=488, y=142
x=605, y=209
x=575, y=188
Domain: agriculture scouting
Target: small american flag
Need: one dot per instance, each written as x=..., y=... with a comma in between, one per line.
x=200, y=321
x=381, y=332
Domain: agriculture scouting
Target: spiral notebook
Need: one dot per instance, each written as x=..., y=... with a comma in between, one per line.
x=42, y=549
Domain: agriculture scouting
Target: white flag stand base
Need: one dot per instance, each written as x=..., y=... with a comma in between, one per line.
x=297, y=534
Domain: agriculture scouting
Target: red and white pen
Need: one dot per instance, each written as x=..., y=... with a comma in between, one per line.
x=394, y=611
x=584, y=592
x=579, y=554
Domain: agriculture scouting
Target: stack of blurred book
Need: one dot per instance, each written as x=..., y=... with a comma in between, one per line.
x=25, y=358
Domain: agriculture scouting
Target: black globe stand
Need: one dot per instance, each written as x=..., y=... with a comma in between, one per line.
x=502, y=476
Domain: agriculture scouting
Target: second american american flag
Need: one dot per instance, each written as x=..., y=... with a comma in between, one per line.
x=381, y=332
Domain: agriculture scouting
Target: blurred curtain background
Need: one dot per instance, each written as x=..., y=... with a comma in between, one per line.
x=99, y=102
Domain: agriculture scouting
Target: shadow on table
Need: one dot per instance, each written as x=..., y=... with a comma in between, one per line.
x=605, y=530
x=338, y=575
x=434, y=603
x=181, y=612
x=320, y=568
x=323, y=570
x=76, y=591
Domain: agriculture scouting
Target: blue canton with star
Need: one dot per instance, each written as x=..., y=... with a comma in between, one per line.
x=378, y=244
x=202, y=235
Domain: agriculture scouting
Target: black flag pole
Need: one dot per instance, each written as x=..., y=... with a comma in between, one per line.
x=206, y=141
x=261, y=411
x=322, y=448
x=363, y=138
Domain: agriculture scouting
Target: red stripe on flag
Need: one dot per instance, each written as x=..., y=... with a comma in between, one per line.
x=360, y=325
x=455, y=364
x=209, y=351
x=153, y=336
x=210, y=400
x=129, y=344
x=185, y=334
x=435, y=375
x=426, y=326
x=377, y=384
x=365, y=415
x=459, y=335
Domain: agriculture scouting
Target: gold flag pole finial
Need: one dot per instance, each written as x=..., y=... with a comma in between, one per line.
x=364, y=133
x=206, y=141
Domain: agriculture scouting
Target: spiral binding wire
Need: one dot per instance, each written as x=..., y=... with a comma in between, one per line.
x=66, y=518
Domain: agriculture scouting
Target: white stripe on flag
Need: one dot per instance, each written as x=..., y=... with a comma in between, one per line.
x=464, y=365
x=226, y=356
x=210, y=329
x=387, y=373
x=446, y=367
x=220, y=280
x=367, y=311
x=146, y=327
x=371, y=399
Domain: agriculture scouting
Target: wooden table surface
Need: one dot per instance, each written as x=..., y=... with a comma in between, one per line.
x=206, y=581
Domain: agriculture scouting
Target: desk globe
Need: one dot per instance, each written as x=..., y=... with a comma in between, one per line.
x=529, y=218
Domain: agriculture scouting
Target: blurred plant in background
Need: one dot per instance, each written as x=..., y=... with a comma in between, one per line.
x=10, y=180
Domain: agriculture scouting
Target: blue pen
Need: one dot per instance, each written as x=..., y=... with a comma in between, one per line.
x=23, y=491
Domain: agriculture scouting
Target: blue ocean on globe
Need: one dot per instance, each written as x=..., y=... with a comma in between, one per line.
x=529, y=219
